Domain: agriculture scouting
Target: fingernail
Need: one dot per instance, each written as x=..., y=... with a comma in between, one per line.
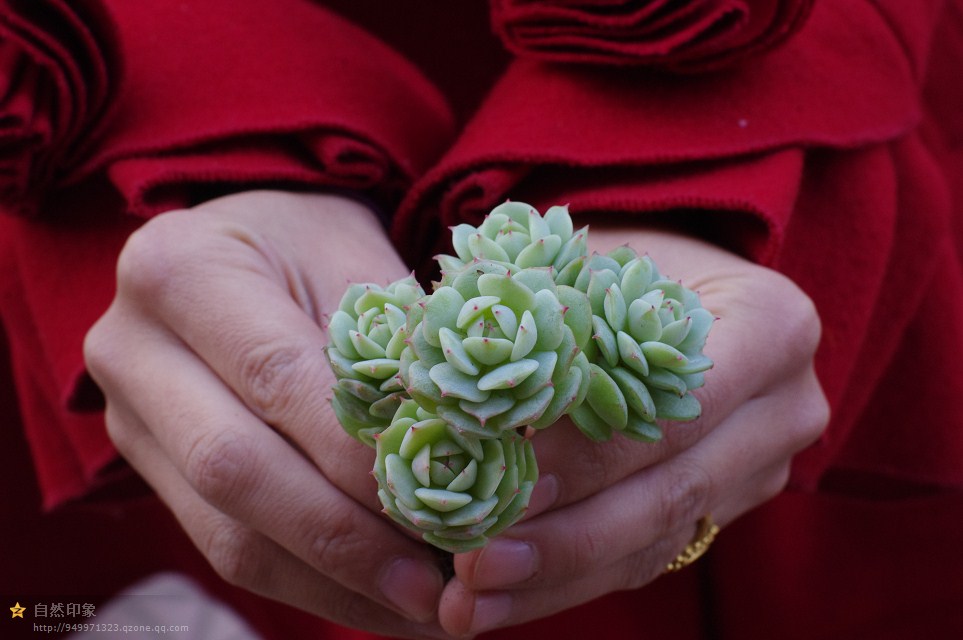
x=504, y=562
x=413, y=587
x=544, y=495
x=491, y=610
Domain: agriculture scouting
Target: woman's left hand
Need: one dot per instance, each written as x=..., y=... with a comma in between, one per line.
x=611, y=516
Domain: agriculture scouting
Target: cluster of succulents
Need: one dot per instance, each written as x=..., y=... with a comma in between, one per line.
x=523, y=328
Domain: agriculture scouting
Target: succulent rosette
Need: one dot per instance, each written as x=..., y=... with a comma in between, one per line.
x=497, y=350
x=646, y=356
x=455, y=488
x=367, y=337
x=516, y=235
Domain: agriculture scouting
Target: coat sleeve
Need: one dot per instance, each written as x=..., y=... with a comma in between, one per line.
x=805, y=159
x=114, y=111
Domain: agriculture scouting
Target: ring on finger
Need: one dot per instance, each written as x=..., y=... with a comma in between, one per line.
x=706, y=531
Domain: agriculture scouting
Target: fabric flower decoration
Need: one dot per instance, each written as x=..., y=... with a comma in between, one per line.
x=58, y=72
x=679, y=35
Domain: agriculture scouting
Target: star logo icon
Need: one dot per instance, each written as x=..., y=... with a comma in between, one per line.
x=17, y=610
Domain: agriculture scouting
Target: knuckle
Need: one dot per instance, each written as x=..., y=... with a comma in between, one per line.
x=347, y=608
x=714, y=398
x=593, y=467
x=221, y=466
x=338, y=545
x=152, y=255
x=679, y=436
x=632, y=573
x=812, y=415
x=233, y=553
x=684, y=496
x=804, y=328
x=585, y=549
x=819, y=412
x=775, y=483
x=798, y=319
x=815, y=421
x=273, y=378
x=97, y=349
x=642, y=567
x=118, y=430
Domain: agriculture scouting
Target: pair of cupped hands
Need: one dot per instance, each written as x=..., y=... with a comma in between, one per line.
x=212, y=361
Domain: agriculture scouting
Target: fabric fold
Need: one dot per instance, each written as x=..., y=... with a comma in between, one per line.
x=288, y=95
x=59, y=73
x=557, y=117
x=217, y=97
x=793, y=148
x=676, y=35
x=54, y=285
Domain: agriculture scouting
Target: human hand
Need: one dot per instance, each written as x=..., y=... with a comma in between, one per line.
x=217, y=391
x=611, y=516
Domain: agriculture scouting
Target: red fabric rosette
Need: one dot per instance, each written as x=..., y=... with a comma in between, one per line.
x=57, y=77
x=678, y=35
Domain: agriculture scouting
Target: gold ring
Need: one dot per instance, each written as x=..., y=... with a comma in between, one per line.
x=706, y=531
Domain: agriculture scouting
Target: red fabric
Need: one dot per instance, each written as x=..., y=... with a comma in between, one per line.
x=681, y=36
x=810, y=566
x=303, y=109
x=836, y=158
x=169, y=140
x=316, y=122
x=58, y=78
x=605, y=118
x=793, y=150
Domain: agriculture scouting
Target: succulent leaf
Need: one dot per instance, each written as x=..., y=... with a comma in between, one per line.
x=590, y=424
x=540, y=252
x=606, y=398
x=559, y=221
x=537, y=278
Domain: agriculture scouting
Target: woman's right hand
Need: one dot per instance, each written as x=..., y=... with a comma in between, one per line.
x=211, y=360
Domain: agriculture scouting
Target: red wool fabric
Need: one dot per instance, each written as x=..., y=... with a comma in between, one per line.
x=58, y=80
x=690, y=36
x=836, y=158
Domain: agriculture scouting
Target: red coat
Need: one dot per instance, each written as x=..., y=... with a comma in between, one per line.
x=835, y=157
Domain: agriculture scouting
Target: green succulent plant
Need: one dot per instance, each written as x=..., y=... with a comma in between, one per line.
x=367, y=337
x=496, y=351
x=514, y=233
x=649, y=333
x=522, y=329
x=455, y=488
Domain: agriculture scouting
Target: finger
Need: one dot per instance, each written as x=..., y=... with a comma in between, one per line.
x=657, y=502
x=251, y=316
x=247, y=559
x=465, y=611
x=744, y=369
x=246, y=470
x=565, y=478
